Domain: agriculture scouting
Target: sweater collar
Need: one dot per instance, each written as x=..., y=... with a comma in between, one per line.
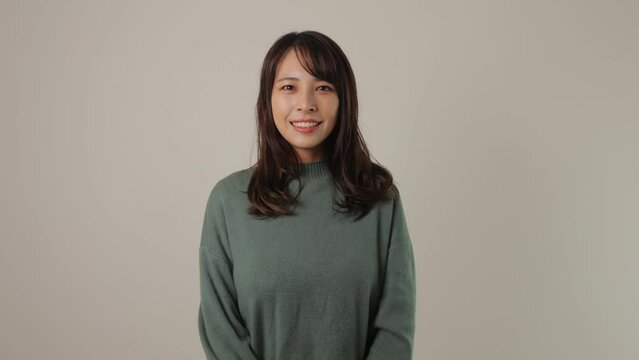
x=313, y=170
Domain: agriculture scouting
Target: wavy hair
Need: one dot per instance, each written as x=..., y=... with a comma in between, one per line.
x=361, y=182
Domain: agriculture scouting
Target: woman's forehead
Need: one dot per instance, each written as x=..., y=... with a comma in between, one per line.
x=290, y=63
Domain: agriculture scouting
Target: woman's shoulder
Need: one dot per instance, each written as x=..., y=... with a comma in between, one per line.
x=233, y=182
x=228, y=190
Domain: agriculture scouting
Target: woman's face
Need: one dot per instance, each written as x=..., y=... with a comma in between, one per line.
x=297, y=95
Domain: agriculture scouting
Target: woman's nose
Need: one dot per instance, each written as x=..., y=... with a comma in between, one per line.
x=306, y=102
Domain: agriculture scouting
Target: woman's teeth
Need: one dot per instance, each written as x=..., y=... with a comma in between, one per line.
x=306, y=124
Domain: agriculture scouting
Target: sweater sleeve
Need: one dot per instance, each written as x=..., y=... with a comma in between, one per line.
x=394, y=324
x=221, y=327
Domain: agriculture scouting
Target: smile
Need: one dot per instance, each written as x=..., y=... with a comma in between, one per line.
x=305, y=127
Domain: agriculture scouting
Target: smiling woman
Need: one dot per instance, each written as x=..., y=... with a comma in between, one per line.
x=304, y=108
x=306, y=254
x=307, y=111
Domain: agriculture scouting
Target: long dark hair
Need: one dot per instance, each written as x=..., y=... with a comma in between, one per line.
x=362, y=182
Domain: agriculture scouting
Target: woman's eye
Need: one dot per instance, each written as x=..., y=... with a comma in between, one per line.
x=288, y=87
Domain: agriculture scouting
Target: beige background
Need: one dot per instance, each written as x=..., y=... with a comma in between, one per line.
x=511, y=128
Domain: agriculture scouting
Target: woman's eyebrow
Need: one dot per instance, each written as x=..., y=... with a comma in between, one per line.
x=296, y=79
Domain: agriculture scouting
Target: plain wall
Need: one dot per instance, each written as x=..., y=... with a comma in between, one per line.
x=511, y=128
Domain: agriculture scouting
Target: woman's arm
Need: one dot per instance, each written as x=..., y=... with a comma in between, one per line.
x=394, y=323
x=222, y=332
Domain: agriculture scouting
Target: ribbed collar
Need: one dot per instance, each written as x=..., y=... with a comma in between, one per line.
x=313, y=170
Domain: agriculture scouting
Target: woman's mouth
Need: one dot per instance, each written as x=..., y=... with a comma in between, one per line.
x=305, y=126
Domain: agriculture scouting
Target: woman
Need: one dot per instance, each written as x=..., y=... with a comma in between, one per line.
x=306, y=254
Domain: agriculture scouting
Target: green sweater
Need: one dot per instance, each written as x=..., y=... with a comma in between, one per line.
x=308, y=287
